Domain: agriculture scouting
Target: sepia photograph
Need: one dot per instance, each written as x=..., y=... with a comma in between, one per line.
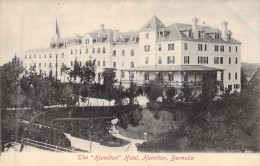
x=130, y=82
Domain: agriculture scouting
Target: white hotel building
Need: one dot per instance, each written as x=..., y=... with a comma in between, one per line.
x=179, y=53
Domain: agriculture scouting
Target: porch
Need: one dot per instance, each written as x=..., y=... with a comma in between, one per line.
x=173, y=75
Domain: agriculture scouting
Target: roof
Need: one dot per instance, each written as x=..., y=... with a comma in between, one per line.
x=131, y=37
x=177, y=32
x=173, y=68
x=155, y=24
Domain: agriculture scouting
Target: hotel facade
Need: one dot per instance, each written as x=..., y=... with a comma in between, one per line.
x=178, y=53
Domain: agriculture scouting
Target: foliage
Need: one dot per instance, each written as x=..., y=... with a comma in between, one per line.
x=153, y=89
x=186, y=94
x=10, y=74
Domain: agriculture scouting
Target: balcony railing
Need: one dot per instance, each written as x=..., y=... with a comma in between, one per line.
x=173, y=83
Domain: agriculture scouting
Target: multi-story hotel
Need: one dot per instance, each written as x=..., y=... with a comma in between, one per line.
x=178, y=53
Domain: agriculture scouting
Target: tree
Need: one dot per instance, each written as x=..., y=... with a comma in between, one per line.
x=108, y=76
x=10, y=74
x=87, y=77
x=186, y=93
x=132, y=92
x=76, y=71
x=153, y=89
x=244, y=81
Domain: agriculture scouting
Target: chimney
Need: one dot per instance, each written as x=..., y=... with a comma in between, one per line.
x=102, y=27
x=116, y=34
x=195, y=27
x=224, y=30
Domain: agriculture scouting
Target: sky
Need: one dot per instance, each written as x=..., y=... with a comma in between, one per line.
x=29, y=24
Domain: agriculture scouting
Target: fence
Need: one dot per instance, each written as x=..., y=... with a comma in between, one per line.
x=46, y=146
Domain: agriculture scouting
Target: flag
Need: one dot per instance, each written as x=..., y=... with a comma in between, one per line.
x=57, y=29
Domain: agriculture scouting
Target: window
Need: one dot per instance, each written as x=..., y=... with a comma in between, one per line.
x=104, y=49
x=229, y=60
x=44, y=64
x=62, y=55
x=75, y=51
x=86, y=50
x=216, y=35
x=148, y=26
x=230, y=87
x=236, y=76
x=236, y=49
x=122, y=74
x=132, y=64
x=123, y=52
x=98, y=63
x=71, y=52
x=87, y=41
x=229, y=76
x=185, y=76
x=114, y=52
x=93, y=50
x=34, y=56
x=146, y=76
x=146, y=60
x=216, y=60
x=221, y=76
x=221, y=48
x=161, y=34
x=45, y=56
x=170, y=59
x=50, y=55
x=221, y=60
x=123, y=64
x=30, y=57
x=104, y=63
x=236, y=86
x=185, y=46
x=147, y=35
x=146, y=48
x=199, y=47
x=79, y=51
x=170, y=76
x=205, y=48
x=40, y=56
x=170, y=47
x=40, y=65
x=159, y=60
x=25, y=57
x=50, y=65
x=201, y=34
x=114, y=64
x=228, y=36
x=186, y=59
x=132, y=75
x=229, y=48
x=159, y=47
x=71, y=63
x=236, y=60
x=216, y=47
x=132, y=52
x=202, y=60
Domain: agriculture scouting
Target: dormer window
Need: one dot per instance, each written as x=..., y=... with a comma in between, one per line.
x=228, y=36
x=121, y=39
x=148, y=26
x=201, y=34
x=99, y=39
x=161, y=34
x=189, y=32
x=216, y=35
x=87, y=41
